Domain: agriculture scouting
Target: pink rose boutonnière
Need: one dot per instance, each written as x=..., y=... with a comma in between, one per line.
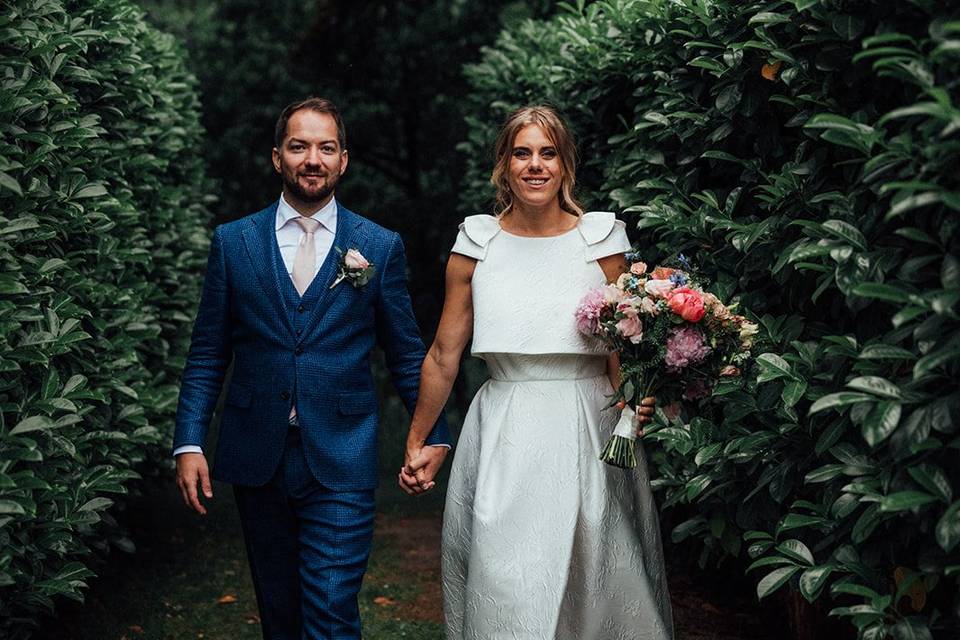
x=354, y=268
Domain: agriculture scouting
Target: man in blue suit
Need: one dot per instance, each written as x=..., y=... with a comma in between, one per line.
x=296, y=296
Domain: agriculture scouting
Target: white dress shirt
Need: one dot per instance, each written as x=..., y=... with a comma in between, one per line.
x=290, y=234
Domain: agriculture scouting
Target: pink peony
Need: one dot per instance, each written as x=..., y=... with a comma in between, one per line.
x=686, y=303
x=638, y=268
x=589, y=310
x=685, y=346
x=658, y=288
x=355, y=260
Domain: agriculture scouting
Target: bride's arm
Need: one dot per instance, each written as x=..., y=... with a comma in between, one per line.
x=440, y=367
x=613, y=267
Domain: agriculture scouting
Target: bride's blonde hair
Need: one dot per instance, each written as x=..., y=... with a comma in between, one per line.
x=558, y=133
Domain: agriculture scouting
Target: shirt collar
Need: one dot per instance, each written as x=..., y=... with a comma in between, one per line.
x=327, y=216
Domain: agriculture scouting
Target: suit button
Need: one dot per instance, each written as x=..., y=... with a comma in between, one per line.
x=298, y=351
x=301, y=309
x=299, y=331
x=284, y=395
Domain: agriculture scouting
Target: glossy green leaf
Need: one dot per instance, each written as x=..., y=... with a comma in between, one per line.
x=903, y=500
x=877, y=386
x=948, y=527
x=880, y=422
x=813, y=580
x=774, y=580
x=840, y=399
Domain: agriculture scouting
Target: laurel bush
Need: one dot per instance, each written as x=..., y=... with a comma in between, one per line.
x=102, y=230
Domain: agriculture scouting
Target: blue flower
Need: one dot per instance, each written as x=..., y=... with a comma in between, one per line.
x=678, y=278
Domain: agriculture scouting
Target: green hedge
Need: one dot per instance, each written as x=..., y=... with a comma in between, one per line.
x=102, y=233
x=805, y=155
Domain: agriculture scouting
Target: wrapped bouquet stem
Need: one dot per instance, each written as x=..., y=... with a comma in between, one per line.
x=619, y=450
x=673, y=339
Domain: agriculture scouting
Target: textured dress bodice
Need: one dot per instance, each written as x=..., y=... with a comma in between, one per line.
x=526, y=289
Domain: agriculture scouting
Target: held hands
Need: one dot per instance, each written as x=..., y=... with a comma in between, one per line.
x=420, y=467
x=191, y=469
x=645, y=411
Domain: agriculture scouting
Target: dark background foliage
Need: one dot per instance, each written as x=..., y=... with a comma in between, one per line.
x=395, y=71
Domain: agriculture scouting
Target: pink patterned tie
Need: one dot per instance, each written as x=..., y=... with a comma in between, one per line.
x=305, y=261
x=304, y=266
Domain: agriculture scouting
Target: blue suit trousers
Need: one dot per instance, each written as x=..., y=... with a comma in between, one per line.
x=308, y=548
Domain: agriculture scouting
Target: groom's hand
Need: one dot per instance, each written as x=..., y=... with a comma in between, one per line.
x=420, y=468
x=191, y=470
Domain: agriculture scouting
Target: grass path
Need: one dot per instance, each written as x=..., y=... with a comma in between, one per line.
x=189, y=580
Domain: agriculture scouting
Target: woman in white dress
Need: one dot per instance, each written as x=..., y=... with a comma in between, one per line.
x=541, y=540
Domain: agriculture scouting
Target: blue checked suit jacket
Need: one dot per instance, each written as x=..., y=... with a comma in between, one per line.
x=314, y=351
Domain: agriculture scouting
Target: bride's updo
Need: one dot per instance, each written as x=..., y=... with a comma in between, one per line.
x=559, y=134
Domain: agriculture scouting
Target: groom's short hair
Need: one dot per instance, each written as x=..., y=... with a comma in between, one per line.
x=320, y=105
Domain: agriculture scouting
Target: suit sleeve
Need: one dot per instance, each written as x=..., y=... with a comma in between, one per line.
x=209, y=354
x=399, y=336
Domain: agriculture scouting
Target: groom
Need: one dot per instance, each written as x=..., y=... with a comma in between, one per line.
x=295, y=297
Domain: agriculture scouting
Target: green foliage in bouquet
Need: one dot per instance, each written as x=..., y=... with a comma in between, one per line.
x=102, y=236
x=806, y=154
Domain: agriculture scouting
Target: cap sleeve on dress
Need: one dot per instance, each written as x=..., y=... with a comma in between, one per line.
x=475, y=234
x=604, y=234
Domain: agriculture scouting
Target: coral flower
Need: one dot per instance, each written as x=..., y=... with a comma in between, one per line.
x=686, y=303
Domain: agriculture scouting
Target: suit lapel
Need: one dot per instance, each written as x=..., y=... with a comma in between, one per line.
x=260, y=239
x=349, y=235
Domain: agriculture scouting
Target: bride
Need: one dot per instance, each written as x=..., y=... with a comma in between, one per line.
x=541, y=540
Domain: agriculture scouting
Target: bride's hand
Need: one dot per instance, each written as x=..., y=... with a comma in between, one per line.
x=407, y=478
x=645, y=411
x=420, y=466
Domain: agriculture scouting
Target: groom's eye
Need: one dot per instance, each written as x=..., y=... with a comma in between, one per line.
x=328, y=148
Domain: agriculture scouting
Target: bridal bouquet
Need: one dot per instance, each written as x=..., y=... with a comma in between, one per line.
x=674, y=339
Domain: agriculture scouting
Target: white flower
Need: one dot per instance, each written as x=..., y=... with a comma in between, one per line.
x=658, y=288
x=612, y=294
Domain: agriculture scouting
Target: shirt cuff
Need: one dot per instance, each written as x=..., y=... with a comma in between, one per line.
x=187, y=448
x=445, y=446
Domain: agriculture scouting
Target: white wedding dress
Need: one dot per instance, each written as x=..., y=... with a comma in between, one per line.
x=542, y=540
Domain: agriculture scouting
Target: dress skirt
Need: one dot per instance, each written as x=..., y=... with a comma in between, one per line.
x=542, y=540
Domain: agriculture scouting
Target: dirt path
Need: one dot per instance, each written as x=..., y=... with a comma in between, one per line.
x=189, y=580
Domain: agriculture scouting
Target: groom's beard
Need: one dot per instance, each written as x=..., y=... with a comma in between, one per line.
x=311, y=196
